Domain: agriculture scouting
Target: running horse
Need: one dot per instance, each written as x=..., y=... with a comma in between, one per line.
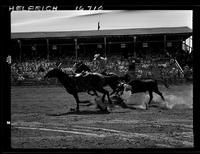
x=114, y=80
x=76, y=83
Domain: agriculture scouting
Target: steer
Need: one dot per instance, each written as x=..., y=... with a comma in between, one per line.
x=144, y=86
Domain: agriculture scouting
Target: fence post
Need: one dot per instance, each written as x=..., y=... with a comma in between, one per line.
x=165, y=43
x=20, y=50
x=134, y=46
x=47, y=49
x=105, y=52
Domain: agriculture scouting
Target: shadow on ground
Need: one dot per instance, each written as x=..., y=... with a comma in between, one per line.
x=89, y=112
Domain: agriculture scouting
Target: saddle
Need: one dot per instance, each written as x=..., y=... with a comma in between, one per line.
x=82, y=74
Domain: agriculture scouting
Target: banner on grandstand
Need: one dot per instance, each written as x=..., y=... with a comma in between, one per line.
x=54, y=47
x=145, y=45
x=34, y=47
x=123, y=45
x=169, y=44
x=99, y=46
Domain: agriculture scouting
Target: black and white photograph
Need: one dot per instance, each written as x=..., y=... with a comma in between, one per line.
x=101, y=79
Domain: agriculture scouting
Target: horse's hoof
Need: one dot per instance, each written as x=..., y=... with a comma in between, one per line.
x=111, y=105
x=147, y=106
x=106, y=111
x=72, y=110
x=124, y=106
x=109, y=109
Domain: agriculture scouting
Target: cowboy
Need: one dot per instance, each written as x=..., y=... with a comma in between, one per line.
x=100, y=62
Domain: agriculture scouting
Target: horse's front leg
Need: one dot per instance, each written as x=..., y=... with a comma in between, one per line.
x=108, y=96
x=105, y=92
x=114, y=89
x=117, y=92
x=77, y=101
x=150, y=99
x=113, y=92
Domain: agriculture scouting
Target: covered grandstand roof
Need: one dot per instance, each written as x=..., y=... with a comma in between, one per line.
x=94, y=33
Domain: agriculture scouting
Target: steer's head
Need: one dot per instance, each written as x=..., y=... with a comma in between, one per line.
x=127, y=87
x=126, y=92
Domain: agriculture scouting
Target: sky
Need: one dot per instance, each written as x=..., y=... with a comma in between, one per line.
x=78, y=20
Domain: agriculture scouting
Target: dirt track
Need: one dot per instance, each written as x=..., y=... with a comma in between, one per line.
x=41, y=118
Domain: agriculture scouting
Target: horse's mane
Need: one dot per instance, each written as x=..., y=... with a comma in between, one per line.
x=58, y=72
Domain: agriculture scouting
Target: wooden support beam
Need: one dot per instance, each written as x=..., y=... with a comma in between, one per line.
x=48, y=49
x=105, y=47
x=76, y=48
x=20, y=50
x=134, y=46
x=165, y=39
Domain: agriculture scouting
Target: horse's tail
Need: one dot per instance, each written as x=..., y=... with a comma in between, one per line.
x=165, y=83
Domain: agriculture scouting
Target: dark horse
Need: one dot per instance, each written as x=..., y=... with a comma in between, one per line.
x=114, y=81
x=75, y=84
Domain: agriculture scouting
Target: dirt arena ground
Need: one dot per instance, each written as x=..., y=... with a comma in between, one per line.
x=41, y=118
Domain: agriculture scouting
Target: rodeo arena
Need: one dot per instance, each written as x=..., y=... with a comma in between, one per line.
x=102, y=89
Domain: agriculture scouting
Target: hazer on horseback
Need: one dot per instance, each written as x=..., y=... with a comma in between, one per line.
x=113, y=79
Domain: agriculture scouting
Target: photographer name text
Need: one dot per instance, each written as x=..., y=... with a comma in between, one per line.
x=33, y=8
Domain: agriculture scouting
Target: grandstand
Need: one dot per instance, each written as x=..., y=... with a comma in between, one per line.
x=148, y=47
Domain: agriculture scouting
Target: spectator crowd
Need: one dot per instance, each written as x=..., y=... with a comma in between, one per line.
x=145, y=67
